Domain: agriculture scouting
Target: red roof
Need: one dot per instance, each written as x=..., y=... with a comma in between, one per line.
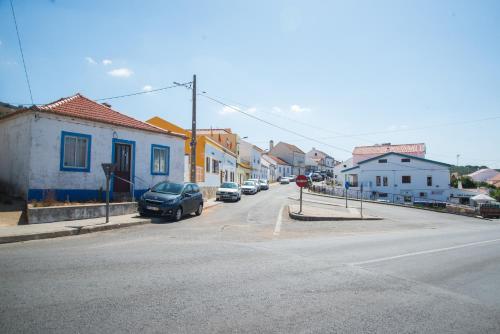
x=79, y=106
x=385, y=148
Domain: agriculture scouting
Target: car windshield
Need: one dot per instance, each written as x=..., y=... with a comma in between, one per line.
x=248, y=183
x=262, y=181
x=168, y=188
x=229, y=185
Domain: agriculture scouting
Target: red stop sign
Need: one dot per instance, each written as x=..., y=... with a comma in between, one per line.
x=301, y=181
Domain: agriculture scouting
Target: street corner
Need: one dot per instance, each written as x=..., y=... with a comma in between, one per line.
x=314, y=213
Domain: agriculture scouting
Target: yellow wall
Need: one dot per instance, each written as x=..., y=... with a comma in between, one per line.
x=200, y=139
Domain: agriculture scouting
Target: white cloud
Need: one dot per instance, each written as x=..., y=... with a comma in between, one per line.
x=397, y=127
x=121, y=72
x=296, y=109
x=232, y=109
x=106, y=62
x=90, y=60
x=147, y=88
x=277, y=110
x=227, y=110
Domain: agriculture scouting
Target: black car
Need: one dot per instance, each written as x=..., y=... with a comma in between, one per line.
x=172, y=200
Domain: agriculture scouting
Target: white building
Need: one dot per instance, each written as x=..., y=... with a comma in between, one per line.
x=220, y=164
x=283, y=169
x=56, y=151
x=320, y=161
x=253, y=155
x=338, y=176
x=291, y=154
x=272, y=166
x=400, y=178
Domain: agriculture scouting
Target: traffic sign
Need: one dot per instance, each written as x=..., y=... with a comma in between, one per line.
x=347, y=185
x=301, y=181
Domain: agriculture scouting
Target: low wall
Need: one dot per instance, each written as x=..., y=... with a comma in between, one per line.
x=76, y=212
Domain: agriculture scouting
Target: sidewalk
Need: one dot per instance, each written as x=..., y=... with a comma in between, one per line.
x=19, y=233
x=327, y=213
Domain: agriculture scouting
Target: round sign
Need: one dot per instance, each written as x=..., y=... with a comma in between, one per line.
x=301, y=181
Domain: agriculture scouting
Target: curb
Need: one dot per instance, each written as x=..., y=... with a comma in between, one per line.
x=395, y=204
x=296, y=216
x=69, y=231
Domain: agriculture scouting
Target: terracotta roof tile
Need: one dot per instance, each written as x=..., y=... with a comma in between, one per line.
x=81, y=107
x=381, y=149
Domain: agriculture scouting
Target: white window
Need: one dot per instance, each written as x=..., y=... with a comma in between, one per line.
x=160, y=159
x=75, y=153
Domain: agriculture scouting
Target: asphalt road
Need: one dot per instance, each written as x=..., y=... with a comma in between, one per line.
x=240, y=268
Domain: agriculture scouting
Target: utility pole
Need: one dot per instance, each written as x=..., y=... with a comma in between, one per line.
x=193, y=134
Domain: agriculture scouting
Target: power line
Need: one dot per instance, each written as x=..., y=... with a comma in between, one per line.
x=175, y=85
x=272, y=124
x=21, y=49
x=340, y=134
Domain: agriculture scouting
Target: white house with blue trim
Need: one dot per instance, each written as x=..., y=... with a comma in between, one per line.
x=398, y=177
x=56, y=151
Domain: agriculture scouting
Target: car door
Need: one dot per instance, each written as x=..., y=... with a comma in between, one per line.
x=190, y=199
x=186, y=199
x=197, y=196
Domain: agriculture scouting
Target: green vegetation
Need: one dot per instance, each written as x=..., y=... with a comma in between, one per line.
x=464, y=170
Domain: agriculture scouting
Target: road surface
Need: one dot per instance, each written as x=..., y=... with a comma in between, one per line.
x=246, y=267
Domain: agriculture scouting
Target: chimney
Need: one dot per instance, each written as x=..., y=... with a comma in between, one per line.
x=106, y=104
x=271, y=145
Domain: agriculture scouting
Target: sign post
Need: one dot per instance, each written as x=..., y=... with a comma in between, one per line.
x=361, y=189
x=301, y=181
x=108, y=168
x=346, y=186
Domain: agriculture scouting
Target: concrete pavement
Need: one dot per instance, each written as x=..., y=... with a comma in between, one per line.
x=233, y=270
x=17, y=233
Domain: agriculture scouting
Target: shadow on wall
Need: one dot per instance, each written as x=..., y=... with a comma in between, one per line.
x=12, y=211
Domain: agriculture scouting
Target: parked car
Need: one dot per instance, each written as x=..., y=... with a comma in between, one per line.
x=316, y=177
x=172, y=200
x=257, y=183
x=249, y=187
x=228, y=191
x=292, y=178
x=264, y=184
x=284, y=180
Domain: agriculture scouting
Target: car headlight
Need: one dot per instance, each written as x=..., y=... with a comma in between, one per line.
x=217, y=193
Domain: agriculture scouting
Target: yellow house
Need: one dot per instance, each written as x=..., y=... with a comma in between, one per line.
x=214, y=163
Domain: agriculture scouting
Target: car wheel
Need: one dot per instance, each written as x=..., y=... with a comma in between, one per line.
x=200, y=210
x=178, y=214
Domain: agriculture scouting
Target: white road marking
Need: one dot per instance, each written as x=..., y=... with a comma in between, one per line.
x=277, y=227
x=430, y=251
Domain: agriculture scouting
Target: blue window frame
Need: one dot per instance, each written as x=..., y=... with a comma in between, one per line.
x=160, y=159
x=75, y=152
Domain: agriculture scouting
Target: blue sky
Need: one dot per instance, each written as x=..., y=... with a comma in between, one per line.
x=378, y=71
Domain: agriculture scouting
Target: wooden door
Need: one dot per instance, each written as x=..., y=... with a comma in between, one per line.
x=122, y=159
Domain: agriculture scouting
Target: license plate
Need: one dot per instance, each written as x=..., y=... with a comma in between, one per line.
x=152, y=208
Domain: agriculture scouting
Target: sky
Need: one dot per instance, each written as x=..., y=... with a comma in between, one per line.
x=344, y=73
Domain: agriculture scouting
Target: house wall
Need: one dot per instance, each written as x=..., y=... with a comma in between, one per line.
x=227, y=163
x=283, y=170
x=45, y=174
x=295, y=159
x=253, y=156
x=15, y=142
x=394, y=169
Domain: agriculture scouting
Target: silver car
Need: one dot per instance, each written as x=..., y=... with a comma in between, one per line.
x=228, y=191
x=249, y=188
